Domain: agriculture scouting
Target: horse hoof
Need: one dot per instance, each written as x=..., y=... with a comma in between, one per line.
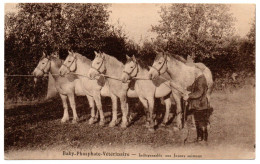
x=74, y=121
x=112, y=124
x=95, y=119
x=193, y=128
x=208, y=126
x=176, y=129
x=91, y=121
x=63, y=120
x=151, y=130
x=162, y=125
x=101, y=123
x=123, y=125
x=147, y=124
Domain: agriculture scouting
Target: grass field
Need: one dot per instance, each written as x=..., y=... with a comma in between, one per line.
x=35, y=132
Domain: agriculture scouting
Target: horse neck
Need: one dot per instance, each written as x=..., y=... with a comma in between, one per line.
x=180, y=72
x=54, y=70
x=115, y=68
x=82, y=67
x=142, y=72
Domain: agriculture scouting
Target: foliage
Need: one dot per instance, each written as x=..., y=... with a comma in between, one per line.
x=43, y=27
x=204, y=31
x=197, y=29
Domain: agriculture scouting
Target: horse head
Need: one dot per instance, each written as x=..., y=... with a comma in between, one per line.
x=69, y=65
x=130, y=69
x=159, y=65
x=98, y=65
x=43, y=66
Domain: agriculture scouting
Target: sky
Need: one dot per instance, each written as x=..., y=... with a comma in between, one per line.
x=137, y=19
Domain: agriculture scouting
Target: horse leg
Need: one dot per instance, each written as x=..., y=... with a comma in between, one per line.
x=73, y=107
x=97, y=99
x=124, y=108
x=114, y=111
x=92, y=106
x=145, y=104
x=151, y=111
x=178, y=110
x=65, y=107
x=168, y=104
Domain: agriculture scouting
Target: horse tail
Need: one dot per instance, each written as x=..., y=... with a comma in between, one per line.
x=207, y=73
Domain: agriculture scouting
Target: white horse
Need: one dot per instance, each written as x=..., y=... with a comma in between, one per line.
x=147, y=90
x=67, y=87
x=182, y=75
x=105, y=64
x=80, y=65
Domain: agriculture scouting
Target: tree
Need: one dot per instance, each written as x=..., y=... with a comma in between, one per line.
x=49, y=27
x=199, y=30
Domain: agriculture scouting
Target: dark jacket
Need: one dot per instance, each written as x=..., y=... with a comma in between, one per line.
x=198, y=96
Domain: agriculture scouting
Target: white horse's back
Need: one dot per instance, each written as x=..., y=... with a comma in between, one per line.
x=208, y=75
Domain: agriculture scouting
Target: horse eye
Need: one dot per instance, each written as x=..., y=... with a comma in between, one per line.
x=69, y=61
x=131, y=67
x=98, y=62
x=43, y=63
x=160, y=62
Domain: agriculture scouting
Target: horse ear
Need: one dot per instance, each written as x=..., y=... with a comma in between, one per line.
x=134, y=59
x=127, y=57
x=164, y=55
x=44, y=55
x=103, y=55
x=55, y=54
x=69, y=52
x=74, y=55
x=96, y=54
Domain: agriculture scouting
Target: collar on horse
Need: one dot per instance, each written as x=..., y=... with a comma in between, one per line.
x=68, y=67
x=43, y=70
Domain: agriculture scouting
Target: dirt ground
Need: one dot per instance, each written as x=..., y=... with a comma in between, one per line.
x=35, y=132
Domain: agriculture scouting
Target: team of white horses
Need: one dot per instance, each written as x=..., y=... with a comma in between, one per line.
x=106, y=76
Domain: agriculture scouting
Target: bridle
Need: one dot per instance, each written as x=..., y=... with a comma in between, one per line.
x=98, y=69
x=43, y=70
x=68, y=66
x=129, y=73
x=158, y=70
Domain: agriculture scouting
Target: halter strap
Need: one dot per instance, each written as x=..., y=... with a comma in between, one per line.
x=98, y=69
x=43, y=70
x=68, y=67
x=158, y=70
x=129, y=73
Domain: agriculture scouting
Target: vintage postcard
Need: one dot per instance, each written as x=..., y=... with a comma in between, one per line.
x=129, y=81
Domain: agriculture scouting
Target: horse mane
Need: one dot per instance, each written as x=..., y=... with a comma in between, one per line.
x=112, y=62
x=84, y=59
x=140, y=62
x=56, y=60
x=177, y=57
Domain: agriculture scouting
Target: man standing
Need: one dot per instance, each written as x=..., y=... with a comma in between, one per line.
x=198, y=104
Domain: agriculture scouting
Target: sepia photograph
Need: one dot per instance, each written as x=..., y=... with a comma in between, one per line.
x=129, y=81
